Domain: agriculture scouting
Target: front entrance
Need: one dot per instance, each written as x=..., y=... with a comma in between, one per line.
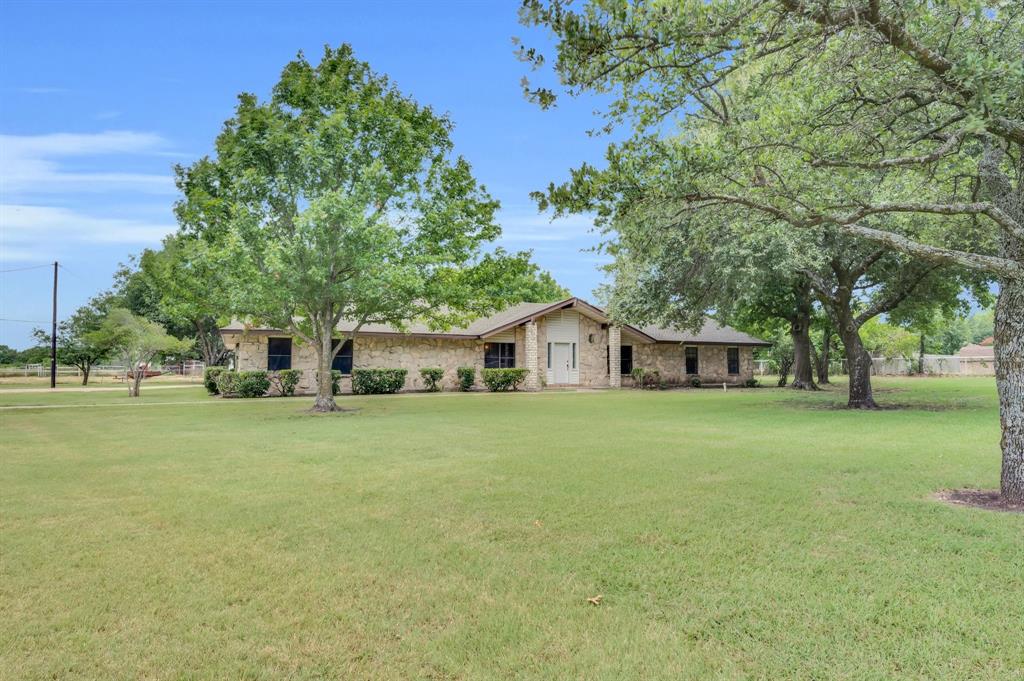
x=561, y=361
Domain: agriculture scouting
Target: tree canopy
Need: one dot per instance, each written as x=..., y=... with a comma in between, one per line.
x=341, y=197
x=900, y=122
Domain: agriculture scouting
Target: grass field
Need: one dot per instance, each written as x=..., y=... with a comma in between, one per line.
x=745, y=534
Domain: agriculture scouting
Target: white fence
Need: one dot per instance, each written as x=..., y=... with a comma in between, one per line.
x=947, y=365
x=187, y=368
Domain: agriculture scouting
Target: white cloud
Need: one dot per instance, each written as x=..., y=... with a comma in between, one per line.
x=27, y=232
x=30, y=164
x=530, y=227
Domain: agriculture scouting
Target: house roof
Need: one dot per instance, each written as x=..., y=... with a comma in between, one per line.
x=977, y=350
x=515, y=315
x=711, y=332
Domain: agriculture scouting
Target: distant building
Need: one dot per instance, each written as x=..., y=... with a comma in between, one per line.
x=983, y=349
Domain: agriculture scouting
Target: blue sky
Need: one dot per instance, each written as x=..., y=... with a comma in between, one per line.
x=98, y=101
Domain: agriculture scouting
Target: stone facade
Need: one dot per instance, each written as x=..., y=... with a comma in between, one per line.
x=669, y=360
x=400, y=352
x=416, y=352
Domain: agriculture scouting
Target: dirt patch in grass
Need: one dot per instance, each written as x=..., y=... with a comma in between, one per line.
x=987, y=499
x=952, y=405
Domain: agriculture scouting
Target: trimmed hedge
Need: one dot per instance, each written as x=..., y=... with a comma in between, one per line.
x=467, y=377
x=285, y=381
x=696, y=382
x=501, y=380
x=243, y=383
x=432, y=378
x=377, y=381
x=210, y=375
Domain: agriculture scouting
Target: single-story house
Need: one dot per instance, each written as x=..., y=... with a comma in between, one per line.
x=567, y=343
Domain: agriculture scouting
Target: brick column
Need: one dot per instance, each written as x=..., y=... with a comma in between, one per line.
x=533, y=377
x=614, y=358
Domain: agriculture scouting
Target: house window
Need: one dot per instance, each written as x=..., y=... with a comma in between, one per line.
x=499, y=355
x=573, y=355
x=343, y=360
x=625, y=360
x=692, y=365
x=733, y=358
x=549, y=355
x=279, y=354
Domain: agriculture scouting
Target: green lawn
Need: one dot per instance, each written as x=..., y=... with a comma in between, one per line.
x=744, y=534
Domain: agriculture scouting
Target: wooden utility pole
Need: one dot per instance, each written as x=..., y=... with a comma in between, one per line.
x=53, y=332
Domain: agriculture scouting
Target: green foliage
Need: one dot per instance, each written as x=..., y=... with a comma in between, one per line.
x=467, y=377
x=8, y=355
x=341, y=197
x=891, y=342
x=695, y=382
x=752, y=383
x=40, y=354
x=638, y=377
x=501, y=380
x=284, y=381
x=184, y=287
x=377, y=381
x=77, y=344
x=246, y=384
x=136, y=342
x=210, y=375
x=432, y=378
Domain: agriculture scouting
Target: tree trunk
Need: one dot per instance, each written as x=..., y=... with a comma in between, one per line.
x=803, y=368
x=784, y=364
x=134, y=380
x=85, y=374
x=325, y=356
x=858, y=363
x=920, y=359
x=1009, y=351
x=1009, y=325
x=823, y=356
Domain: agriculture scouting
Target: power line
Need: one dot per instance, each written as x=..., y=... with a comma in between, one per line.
x=22, y=269
x=23, y=321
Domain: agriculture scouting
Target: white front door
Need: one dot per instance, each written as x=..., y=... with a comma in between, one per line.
x=561, y=360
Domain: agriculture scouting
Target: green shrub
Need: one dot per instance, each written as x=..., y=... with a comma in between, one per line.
x=210, y=375
x=243, y=383
x=253, y=383
x=377, y=381
x=695, y=382
x=467, y=377
x=432, y=378
x=751, y=383
x=285, y=381
x=335, y=381
x=225, y=382
x=638, y=376
x=501, y=380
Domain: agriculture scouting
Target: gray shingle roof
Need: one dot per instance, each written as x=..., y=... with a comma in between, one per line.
x=710, y=333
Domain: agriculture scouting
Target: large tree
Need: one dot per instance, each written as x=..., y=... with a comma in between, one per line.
x=76, y=343
x=187, y=290
x=341, y=197
x=898, y=121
